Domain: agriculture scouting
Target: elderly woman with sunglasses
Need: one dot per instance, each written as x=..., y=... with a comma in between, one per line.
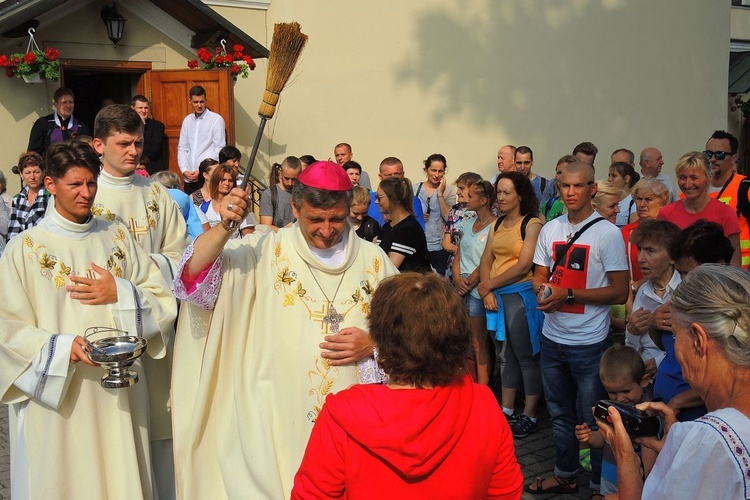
x=706, y=458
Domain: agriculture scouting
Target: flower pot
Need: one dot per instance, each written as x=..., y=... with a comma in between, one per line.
x=35, y=78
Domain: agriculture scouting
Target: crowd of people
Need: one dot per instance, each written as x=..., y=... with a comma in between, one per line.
x=343, y=343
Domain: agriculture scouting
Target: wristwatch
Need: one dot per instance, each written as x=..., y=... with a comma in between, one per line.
x=570, y=298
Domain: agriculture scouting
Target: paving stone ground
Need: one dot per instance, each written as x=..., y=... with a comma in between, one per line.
x=536, y=454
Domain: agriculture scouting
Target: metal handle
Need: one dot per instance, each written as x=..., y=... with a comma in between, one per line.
x=251, y=161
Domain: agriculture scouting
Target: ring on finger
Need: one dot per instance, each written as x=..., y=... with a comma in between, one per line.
x=230, y=207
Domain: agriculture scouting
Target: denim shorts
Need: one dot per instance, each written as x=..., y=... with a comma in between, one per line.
x=474, y=306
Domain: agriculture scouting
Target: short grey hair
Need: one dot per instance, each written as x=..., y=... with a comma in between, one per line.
x=717, y=297
x=652, y=185
x=167, y=178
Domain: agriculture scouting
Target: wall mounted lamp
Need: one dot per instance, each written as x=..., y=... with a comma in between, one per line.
x=114, y=22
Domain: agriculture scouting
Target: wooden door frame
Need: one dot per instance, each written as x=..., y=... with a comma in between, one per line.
x=138, y=67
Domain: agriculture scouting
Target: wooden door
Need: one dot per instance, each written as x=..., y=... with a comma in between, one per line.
x=170, y=102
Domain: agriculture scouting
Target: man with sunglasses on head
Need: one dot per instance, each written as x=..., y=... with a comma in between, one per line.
x=728, y=186
x=651, y=162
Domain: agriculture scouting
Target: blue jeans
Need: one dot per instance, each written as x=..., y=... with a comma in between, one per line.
x=570, y=376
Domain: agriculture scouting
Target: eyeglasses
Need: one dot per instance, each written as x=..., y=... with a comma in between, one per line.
x=719, y=155
x=380, y=196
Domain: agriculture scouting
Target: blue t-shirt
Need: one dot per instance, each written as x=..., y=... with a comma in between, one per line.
x=669, y=381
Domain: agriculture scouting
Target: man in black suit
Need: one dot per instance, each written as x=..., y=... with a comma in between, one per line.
x=153, y=135
x=59, y=126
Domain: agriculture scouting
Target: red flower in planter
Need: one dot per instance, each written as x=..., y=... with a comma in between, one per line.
x=36, y=62
x=52, y=54
x=204, y=55
x=238, y=63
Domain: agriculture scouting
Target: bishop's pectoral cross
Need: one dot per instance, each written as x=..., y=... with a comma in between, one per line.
x=329, y=317
x=333, y=318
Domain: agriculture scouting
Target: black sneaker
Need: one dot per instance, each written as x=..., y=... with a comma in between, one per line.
x=522, y=426
x=511, y=418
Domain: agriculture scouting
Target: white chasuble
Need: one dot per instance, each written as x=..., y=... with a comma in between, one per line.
x=70, y=437
x=249, y=380
x=156, y=223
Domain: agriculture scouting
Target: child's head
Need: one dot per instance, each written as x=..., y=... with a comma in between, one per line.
x=360, y=204
x=623, y=374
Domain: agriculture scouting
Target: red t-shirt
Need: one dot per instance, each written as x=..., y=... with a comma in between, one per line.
x=635, y=267
x=715, y=211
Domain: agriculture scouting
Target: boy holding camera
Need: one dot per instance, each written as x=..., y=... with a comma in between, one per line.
x=624, y=376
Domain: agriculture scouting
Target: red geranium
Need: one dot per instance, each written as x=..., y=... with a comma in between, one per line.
x=204, y=55
x=238, y=63
x=32, y=63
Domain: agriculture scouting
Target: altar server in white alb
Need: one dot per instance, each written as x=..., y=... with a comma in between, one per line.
x=156, y=223
x=279, y=327
x=70, y=437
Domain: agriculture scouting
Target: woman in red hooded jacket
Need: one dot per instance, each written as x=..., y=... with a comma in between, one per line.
x=430, y=431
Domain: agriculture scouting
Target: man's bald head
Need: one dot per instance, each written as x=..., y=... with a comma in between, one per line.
x=651, y=162
x=390, y=167
x=580, y=167
x=506, y=158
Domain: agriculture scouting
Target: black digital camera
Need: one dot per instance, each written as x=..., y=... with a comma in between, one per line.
x=638, y=423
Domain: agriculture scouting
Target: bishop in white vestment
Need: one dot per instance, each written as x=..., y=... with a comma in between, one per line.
x=249, y=377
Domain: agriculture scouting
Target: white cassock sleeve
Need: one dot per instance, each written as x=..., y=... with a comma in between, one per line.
x=49, y=374
x=132, y=312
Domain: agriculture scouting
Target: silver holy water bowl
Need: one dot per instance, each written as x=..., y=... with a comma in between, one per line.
x=115, y=351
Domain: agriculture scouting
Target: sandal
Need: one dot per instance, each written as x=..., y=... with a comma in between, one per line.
x=563, y=486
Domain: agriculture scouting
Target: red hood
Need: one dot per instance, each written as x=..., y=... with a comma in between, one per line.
x=412, y=430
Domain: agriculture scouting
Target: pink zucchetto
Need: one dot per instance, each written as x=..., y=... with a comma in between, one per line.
x=325, y=175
